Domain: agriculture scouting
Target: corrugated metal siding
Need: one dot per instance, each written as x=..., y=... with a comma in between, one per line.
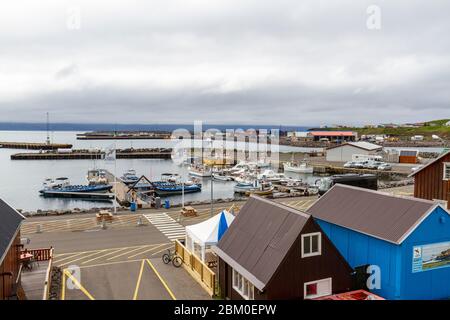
x=429, y=183
x=289, y=280
x=373, y=213
x=261, y=235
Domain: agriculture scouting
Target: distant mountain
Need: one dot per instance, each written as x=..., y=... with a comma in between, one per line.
x=17, y=126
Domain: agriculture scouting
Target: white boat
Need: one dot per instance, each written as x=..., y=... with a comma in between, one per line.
x=96, y=177
x=270, y=175
x=222, y=177
x=243, y=187
x=200, y=171
x=298, y=168
x=129, y=177
x=56, y=183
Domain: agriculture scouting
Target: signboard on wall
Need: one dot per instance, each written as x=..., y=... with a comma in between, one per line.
x=431, y=256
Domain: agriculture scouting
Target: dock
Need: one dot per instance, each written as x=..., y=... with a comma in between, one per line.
x=82, y=195
x=120, y=189
x=34, y=145
x=91, y=155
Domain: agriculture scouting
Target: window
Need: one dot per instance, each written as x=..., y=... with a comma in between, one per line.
x=446, y=170
x=318, y=288
x=243, y=286
x=311, y=244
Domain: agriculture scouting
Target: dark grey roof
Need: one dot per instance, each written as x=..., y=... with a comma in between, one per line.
x=10, y=221
x=259, y=238
x=377, y=214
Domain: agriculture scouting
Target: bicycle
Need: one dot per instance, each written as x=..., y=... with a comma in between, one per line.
x=171, y=256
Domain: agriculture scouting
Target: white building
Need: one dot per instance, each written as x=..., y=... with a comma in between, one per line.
x=345, y=152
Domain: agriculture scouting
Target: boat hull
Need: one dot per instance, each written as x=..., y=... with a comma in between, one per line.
x=176, y=191
x=298, y=169
x=200, y=174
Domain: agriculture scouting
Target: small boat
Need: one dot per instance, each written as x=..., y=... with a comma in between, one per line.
x=298, y=168
x=129, y=177
x=164, y=188
x=200, y=171
x=56, y=183
x=264, y=189
x=244, y=187
x=222, y=177
x=272, y=176
x=96, y=177
x=62, y=185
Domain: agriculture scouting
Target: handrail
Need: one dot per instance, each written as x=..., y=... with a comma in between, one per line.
x=42, y=254
x=48, y=277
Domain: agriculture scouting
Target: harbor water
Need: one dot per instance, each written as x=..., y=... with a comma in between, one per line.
x=21, y=180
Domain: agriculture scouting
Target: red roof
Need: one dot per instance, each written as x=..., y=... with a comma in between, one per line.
x=352, y=295
x=333, y=133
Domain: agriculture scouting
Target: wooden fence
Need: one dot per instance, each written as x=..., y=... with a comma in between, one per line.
x=197, y=268
x=41, y=254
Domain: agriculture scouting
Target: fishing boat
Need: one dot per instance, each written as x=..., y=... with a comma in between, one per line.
x=96, y=177
x=221, y=175
x=244, y=187
x=297, y=167
x=200, y=171
x=129, y=177
x=272, y=176
x=264, y=189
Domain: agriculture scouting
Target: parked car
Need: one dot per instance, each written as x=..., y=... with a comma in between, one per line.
x=360, y=165
x=385, y=167
x=374, y=164
x=350, y=164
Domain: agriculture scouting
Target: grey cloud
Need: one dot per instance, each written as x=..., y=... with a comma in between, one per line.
x=282, y=62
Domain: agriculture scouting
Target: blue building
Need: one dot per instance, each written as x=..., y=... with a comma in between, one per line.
x=407, y=238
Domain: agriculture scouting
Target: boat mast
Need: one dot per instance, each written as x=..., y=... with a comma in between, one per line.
x=48, y=129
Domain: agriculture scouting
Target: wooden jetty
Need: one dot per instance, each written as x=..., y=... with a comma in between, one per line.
x=89, y=154
x=34, y=145
x=121, y=190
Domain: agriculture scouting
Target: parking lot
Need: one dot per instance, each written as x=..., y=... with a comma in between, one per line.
x=144, y=279
x=123, y=261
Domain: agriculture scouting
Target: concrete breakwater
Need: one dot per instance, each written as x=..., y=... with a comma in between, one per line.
x=76, y=154
x=34, y=145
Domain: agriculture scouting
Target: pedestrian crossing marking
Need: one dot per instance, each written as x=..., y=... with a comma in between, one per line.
x=167, y=225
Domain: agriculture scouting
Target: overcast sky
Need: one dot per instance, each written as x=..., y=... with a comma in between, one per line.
x=299, y=62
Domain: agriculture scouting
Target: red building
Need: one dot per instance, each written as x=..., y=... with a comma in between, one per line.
x=10, y=222
x=432, y=181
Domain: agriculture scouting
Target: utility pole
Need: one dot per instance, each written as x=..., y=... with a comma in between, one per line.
x=212, y=195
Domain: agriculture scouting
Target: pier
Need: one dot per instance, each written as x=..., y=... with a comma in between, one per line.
x=90, y=155
x=34, y=145
x=120, y=189
x=146, y=135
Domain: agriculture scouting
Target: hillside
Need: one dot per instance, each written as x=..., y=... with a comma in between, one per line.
x=436, y=127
